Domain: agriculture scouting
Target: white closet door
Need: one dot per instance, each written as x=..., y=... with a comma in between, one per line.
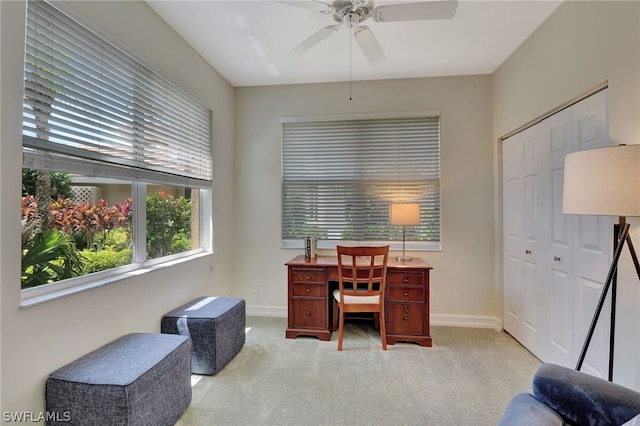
x=557, y=285
x=513, y=247
x=533, y=240
x=593, y=244
x=554, y=264
x=522, y=164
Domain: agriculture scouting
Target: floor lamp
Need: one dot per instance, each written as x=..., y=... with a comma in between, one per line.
x=605, y=181
x=404, y=214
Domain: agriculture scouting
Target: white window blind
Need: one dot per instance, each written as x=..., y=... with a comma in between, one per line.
x=339, y=177
x=86, y=99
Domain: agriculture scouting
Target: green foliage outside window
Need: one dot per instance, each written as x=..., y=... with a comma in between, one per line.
x=60, y=184
x=50, y=256
x=168, y=225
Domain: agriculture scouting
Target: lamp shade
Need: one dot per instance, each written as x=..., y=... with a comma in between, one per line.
x=404, y=214
x=603, y=181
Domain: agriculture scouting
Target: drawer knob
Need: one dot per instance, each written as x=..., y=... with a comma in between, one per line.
x=405, y=294
x=308, y=277
x=527, y=251
x=308, y=313
x=405, y=280
x=406, y=309
x=406, y=318
x=308, y=290
x=556, y=258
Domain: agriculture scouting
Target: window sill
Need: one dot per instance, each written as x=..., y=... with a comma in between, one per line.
x=37, y=295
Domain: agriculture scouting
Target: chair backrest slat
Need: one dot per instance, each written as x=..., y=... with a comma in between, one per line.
x=362, y=270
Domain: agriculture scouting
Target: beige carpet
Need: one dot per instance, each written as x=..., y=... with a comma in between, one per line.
x=466, y=378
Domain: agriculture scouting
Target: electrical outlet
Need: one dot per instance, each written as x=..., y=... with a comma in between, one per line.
x=254, y=289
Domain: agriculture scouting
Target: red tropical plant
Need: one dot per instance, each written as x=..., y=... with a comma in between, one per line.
x=63, y=215
x=28, y=207
x=91, y=221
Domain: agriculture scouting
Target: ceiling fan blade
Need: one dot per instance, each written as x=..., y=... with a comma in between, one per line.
x=369, y=45
x=313, y=40
x=315, y=5
x=428, y=10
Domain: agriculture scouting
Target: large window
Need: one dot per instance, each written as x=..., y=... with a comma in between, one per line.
x=117, y=158
x=339, y=176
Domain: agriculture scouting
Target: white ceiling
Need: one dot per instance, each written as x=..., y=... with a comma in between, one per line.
x=247, y=41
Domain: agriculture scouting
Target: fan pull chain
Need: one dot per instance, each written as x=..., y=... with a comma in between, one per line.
x=349, y=67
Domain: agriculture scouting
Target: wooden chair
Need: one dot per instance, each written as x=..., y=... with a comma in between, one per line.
x=362, y=273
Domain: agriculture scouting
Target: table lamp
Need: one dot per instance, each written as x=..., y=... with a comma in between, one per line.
x=404, y=214
x=605, y=181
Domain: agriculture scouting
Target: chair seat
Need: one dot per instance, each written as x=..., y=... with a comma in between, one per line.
x=356, y=300
x=362, y=271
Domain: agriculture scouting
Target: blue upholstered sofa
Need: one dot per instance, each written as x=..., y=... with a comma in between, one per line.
x=562, y=396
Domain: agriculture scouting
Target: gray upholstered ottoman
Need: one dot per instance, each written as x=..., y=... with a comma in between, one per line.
x=216, y=326
x=138, y=379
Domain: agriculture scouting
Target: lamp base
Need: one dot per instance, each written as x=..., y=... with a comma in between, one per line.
x=404, y=258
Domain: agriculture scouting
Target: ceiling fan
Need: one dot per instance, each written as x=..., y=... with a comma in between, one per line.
x=352, y=13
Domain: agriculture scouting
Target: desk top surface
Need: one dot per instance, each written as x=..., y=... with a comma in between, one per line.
x=331, y=261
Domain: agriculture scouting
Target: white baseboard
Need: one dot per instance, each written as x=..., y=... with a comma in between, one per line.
x=472, y=321
x=452, y=320
x=267, y=311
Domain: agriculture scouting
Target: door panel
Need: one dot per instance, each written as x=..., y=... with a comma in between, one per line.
x=530, y=306
x=590, y=122
x=512, y=239
x=530, y=207
x=534, y=217
x=557, y=310
x=560, y=348
x=597, y=357
x=513, y=295
x=593, y=256
x=511, y=194
x=592, y=240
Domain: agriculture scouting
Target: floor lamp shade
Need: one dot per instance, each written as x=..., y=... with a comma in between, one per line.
x=404, y=214
x=604, y=181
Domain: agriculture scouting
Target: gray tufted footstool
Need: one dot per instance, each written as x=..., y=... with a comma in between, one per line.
x=216, y=326
x=138, y=379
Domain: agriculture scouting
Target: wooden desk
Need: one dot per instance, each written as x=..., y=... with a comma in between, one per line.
x=406, y=299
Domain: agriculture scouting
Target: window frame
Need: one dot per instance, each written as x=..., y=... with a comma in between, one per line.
x=394, y=244
x=138, y=177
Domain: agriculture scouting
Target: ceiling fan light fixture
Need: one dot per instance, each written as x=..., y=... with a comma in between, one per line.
x=353, y=20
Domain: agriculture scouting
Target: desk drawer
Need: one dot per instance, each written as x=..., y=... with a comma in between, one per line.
x=311, y=289
x=309, y=275
x=405, y=318
x=405, y=278
x=309, y=313
x=406, y=294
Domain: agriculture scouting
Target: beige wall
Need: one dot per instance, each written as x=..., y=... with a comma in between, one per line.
x=463, y=277
x=37, y=340
x=580, y=46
